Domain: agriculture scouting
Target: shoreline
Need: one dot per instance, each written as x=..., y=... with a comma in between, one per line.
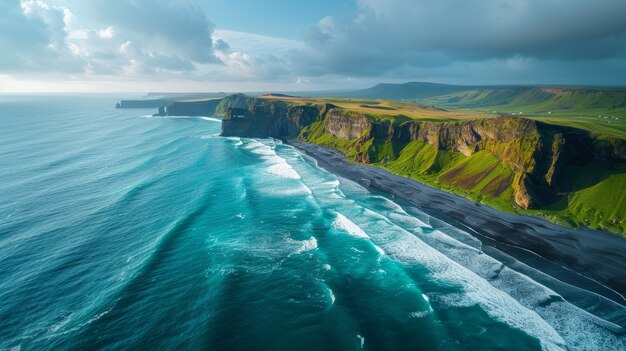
x=584, y=262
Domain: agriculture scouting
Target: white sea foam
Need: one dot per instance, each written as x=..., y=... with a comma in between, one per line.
x=292, y=190
x=256, y=147
x=283, y=169
x=343, y=223
x=380, y=250
x=331, y=295
x=476, y=290
x=420, y=314
x=306, y=245
x=407, y=221
x=334, y=184
x=237, y=141
x=377, y=215
x=211, y=119
x=278, y=165
x=362, y=339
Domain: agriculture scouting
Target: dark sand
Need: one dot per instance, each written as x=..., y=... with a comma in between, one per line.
x=586, y=264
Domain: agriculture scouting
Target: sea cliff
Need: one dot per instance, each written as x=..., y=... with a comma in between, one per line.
x=511, y=163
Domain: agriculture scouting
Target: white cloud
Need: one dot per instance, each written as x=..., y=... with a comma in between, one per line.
x=31, y=7
x=106, y=33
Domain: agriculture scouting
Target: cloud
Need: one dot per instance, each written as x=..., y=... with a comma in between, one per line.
x=249, y=56
x=161, y=26
x=34, y=37
x=106, y=33
x=132, y=37
x=454, y=41
x=393, y=36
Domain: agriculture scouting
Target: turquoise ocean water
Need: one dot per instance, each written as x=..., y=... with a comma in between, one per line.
x=119, y=230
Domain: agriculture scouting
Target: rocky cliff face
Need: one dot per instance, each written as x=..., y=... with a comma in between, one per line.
x=534, y=152
x=502, y=136
x=146, y=103
x=347, y=125
x=266, y=118
x=237, y=101
x=192, y=108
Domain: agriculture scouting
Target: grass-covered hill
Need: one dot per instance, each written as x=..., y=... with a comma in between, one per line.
x=600, y=110
x=407, y=91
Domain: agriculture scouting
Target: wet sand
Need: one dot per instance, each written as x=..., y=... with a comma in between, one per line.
x=585, y=264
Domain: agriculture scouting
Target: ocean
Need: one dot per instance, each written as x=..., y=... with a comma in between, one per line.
x=119, y=230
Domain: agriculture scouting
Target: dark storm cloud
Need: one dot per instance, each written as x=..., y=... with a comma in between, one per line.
x=387, y=35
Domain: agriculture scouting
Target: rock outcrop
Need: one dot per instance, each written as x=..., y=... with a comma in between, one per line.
x=206, y=107
x=145, y=103
x=266, y=118
x=347, y=125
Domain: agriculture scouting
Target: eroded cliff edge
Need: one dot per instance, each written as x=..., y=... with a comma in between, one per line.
x=511, y=163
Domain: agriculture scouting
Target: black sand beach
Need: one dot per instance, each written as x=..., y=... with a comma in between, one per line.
x=586, y=267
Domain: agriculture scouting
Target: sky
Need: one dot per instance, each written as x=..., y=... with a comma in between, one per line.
x=289, y=45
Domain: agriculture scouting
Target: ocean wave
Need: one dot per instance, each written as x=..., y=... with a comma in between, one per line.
x=278, y=165
x=306, y=245
x=258, y=148
x=211, y=119
x=343, y=223
x=283, y=169
x=235, y=140
x=379, y=250
x=476, y=291
x=331, y=295
x=361, y=339
x=512, y=297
